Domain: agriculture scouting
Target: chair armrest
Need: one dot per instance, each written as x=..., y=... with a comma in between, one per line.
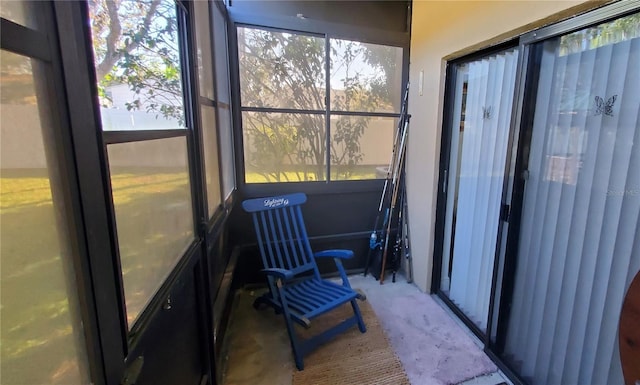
x=337, y=255
x=284, y=274
x=341, y=254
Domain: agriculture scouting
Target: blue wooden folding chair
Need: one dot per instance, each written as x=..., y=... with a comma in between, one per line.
x=287, y=256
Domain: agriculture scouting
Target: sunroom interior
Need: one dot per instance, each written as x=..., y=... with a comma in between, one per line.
x=132, y=131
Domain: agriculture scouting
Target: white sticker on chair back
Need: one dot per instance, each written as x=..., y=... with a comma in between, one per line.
x=275, y=202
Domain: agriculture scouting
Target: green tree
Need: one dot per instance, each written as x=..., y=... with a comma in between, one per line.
x=283, y=70
x=621, y=29
x=135, y=43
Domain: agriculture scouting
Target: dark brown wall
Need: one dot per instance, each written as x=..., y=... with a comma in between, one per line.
x=385, y=15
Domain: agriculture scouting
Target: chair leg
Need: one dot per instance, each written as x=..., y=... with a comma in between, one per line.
x=356, y=311
x=297, y=353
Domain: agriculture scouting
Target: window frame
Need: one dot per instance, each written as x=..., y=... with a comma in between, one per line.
x=190, y=130
x=199, y=101
x=89, y=240
x=316, y=29
x=218, y=9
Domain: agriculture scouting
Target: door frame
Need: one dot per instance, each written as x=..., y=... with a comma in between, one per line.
x=443, y=188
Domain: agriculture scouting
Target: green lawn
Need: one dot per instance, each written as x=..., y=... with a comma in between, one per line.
x=39, y=346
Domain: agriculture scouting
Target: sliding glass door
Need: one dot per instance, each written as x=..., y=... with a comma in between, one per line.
x=479, y=128
x=578, y=245
x=538, y=217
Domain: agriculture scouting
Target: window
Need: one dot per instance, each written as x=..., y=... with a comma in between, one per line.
x=138, y=66
x=43, y=338
x=152, y=201
x=300, y=123
x=208, y=105
x=144, y=120
x=223, y=92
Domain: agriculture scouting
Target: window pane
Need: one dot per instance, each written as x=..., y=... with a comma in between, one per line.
x=152, y=199
x=483, y=92
x=20, y=12
x=616, y=31
x=578, y=244
x=365, y=77
x=41, y=328
x=226, y=150
x=137, y=65
x=224, y=111
x=283, y=147
x=279, y=69
x=212, y=172
x=221, y=55
x=361, y=146
x=203, y=39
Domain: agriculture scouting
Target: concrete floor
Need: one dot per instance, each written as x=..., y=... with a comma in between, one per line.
x=433, y=347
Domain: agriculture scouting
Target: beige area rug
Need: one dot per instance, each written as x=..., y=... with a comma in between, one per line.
x=351, y=357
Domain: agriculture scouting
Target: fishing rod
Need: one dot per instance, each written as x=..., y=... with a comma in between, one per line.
x=374, y=243
x=394, y=196
x=405, y=239
x=397, y=245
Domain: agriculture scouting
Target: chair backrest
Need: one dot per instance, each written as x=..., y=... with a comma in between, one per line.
x=282, y=236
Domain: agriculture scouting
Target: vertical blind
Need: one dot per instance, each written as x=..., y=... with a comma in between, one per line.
x=579, y=247
x=478, y=156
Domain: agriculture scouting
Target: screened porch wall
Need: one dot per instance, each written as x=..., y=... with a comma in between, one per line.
x=338, y=213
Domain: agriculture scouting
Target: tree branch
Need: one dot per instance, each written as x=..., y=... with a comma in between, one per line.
x=113, y=54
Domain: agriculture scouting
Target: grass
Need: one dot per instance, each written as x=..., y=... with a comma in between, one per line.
x=40, y=344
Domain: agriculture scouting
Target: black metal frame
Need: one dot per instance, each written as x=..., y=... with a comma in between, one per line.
x=209, y=221
x=108, y=339
x=445, y=154
x=523, y=66
x=522, y=160
x=25, y=41
x=87, y=220
x=211, y=226
x=113, y=137
x=530, y=46
x=222, y=9
x=315, y=29
x=80, y=84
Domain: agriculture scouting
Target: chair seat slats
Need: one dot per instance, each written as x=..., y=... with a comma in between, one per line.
x=320, y=294
x=299, y=292
x=305, y=295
